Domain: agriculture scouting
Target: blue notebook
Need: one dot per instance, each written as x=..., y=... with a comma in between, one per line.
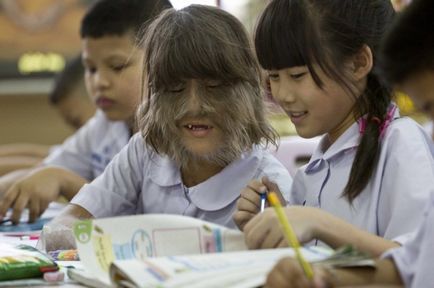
x=24, y=226
x=53, y=209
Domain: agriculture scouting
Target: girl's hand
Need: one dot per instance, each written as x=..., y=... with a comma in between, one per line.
x=249, y=203
x=250, y=200
x=288, y=273
x=265, y=231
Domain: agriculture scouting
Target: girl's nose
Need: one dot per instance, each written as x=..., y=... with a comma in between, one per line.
x=283, y=94
x=193, y=96
x=101, y=80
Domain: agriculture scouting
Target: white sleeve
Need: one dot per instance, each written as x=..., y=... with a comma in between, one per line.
x=276, y=172
x=75, y=153
x=117, y=190
x=415, y=259
x=407, y=181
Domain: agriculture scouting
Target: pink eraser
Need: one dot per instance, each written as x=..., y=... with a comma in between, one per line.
x=56, y=276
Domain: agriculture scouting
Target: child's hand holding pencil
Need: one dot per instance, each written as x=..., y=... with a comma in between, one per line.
x=263, y=231
x=289, y=234
x=253, y=200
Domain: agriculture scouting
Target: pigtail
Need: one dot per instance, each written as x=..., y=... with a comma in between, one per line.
x=375, y=103
x=324, y=34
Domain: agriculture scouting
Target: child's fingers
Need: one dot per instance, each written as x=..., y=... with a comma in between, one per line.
x=8, y=200
x=283, y=243
x=273, y=187
x=276, y=279
x=255, y=231
x=257, y=186
x=248, y=202
x=287, y=273
x=241, y=218
x=34, y=210
x=44, y=206
x=20, y=204
x=272, y=240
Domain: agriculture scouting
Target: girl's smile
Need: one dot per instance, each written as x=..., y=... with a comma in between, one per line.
x=297, y=117
x=198, y=130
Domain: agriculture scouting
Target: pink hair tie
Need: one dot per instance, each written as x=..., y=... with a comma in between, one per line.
x=362, y=125
x=387, y=121
x=382, y=125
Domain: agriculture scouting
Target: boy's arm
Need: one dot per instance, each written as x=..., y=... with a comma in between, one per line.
x=7, y=180
x=25, y=149
x=9, y=164
x=69, y=182
x=35, y=191
x=70, y=214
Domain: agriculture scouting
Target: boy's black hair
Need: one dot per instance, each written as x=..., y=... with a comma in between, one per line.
x=117, y=17
x=408, y=47
x=327, y=33
x=67, y=80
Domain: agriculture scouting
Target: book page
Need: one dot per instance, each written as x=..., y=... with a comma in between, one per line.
x=102, y=241
x=233, y=269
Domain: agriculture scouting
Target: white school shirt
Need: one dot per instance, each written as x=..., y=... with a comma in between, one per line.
x=392, y=203
x=415, y=260
x=429, y=127
x=139, y=181
x=92, y=147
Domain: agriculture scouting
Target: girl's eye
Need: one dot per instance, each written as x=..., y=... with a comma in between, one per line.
x=177, y=89
x=119, y=68
x=91, y=70
x=273, y=76
x=297, y=75
x=213, y=83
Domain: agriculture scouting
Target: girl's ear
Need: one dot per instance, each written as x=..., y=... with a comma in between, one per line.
x=362, y=63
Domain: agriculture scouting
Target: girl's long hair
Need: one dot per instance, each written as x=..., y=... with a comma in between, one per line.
x=327, y=33
x=202, y=43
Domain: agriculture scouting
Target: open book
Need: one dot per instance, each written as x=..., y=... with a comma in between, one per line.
x=158, y=250
x=243, y=269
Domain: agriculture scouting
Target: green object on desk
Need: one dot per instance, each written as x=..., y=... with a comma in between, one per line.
x=23, y=261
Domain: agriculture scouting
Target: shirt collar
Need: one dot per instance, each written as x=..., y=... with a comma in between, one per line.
x=349, y=140
x=220, y=190
x=164, y=171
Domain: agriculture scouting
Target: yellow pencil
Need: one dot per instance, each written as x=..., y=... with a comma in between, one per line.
x=289, y=234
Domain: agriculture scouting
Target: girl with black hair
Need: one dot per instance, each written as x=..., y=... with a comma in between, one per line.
x=371, y=175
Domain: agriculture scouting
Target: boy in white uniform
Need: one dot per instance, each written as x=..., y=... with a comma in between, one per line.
x=113, y=69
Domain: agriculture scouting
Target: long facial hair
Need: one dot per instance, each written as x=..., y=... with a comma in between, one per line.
x=229, y=107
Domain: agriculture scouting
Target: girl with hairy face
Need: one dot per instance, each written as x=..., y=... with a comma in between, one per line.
x=201, y=125
x=205, y=105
